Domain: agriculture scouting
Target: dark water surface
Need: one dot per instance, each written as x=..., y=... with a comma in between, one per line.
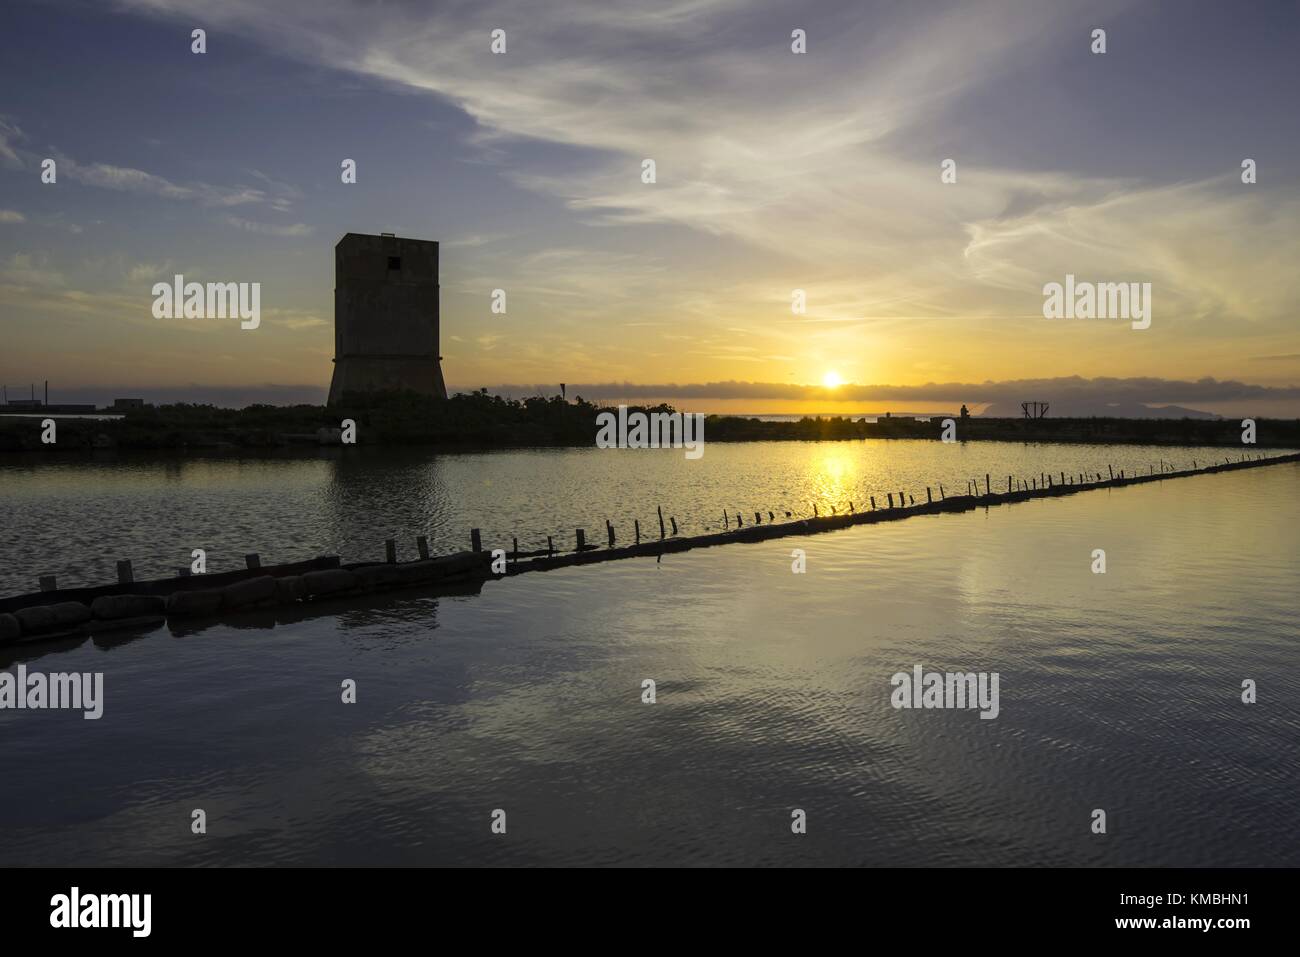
x=1119, y=691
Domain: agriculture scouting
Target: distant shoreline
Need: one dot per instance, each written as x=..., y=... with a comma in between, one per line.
x=482, y=422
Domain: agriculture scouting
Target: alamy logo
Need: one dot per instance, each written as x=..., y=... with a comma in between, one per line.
x=103, y=910
x=83, y=691
x=937, y=689
x=655, y=430
x=215, y=300
x=1090, y=300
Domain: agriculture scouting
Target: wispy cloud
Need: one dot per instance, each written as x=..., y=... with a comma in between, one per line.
x=269, y=229
x=129, y=179
x=294, y=319
x=756, y=145
x=10, y=137
x=25, y=269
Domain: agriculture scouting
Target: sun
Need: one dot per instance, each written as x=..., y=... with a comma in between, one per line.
x=832, y=380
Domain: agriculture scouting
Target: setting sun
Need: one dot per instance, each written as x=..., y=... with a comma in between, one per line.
x=831, y=380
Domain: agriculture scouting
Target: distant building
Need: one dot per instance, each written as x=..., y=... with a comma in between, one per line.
x=127, y=404
x=386, y=316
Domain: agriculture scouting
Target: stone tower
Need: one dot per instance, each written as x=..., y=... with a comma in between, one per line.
x=386, y=316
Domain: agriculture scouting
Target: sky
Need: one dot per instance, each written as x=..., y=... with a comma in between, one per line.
x=774, y=172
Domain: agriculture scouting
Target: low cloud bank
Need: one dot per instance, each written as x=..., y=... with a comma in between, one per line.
x=1144, y=390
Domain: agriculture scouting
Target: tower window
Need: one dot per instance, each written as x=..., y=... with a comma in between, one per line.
x=394, y=262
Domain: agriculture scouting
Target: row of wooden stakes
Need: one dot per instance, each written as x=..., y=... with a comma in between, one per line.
x=1044, y=480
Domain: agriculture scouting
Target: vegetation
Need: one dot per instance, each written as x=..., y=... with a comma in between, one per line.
x=480, y=420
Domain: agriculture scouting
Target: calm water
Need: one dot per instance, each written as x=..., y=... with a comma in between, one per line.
x=1118, y=691
x=74, y=519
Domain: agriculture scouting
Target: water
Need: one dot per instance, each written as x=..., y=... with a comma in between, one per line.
x=75, y=518
x=1118, y=691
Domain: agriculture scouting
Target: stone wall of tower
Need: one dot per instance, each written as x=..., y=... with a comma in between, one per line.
x=386, y=316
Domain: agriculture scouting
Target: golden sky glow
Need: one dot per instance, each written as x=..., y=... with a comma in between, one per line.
x=798, y=227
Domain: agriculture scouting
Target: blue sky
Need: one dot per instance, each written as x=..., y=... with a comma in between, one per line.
x=774, y=172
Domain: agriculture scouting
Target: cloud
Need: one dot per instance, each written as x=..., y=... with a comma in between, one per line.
x=297, y=229
x=473, y=241
x=777, y=171
x=23, y=269
x=10, y=135
x=294, y=319
x=1134, y=389
x=128, y=179
x=1170, y=236
x=586, y=283
x=754, y=145
x=11, y=216
x=148, y=273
